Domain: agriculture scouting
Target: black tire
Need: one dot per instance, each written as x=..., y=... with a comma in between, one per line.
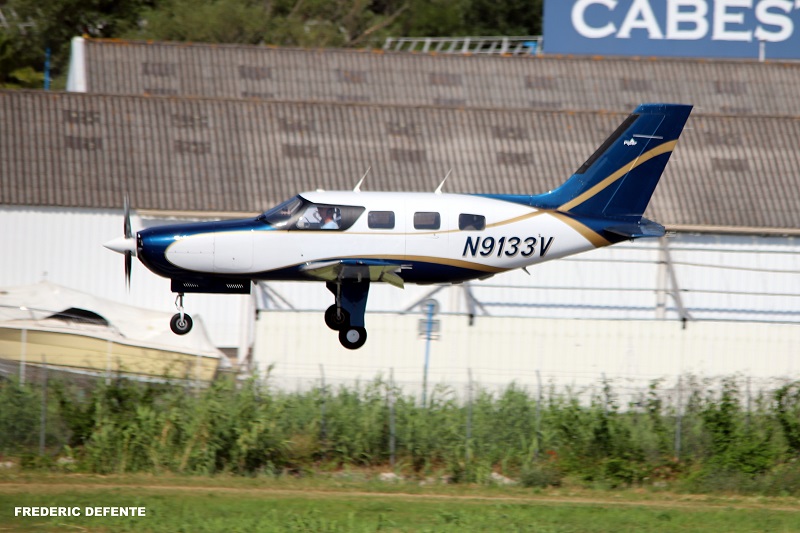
x=337, y=320
x=353, y=338
x=180, y=327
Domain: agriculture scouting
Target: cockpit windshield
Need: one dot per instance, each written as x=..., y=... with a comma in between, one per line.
x=299, y=214
x=281, y=215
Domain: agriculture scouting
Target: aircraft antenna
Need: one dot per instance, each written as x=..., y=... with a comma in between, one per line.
x=358, y=185
x=439, y=188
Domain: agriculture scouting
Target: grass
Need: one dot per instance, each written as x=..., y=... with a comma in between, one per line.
x=208, y=504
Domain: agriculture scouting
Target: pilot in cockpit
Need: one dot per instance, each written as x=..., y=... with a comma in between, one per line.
x=328, y=219
x=320, y=217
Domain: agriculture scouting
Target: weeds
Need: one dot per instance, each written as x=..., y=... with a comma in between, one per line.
x=248, y=429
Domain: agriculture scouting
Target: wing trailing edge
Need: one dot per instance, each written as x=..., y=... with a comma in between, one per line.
x=356, y=270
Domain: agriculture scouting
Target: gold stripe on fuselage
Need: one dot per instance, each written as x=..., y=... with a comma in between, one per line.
x=645, y=157
x=597, y=240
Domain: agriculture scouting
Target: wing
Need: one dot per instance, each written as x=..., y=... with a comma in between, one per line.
x=356, y=269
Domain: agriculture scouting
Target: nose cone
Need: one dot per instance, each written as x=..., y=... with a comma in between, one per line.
x=122, y=245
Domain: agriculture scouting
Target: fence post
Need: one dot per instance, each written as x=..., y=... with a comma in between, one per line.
x=323, y=433
x=43, y=418
x=23, y=348
x=109, y=348
x=390, y=396
x=678, y=420
x=749, y=406
x=538, y=429
x=469, y=416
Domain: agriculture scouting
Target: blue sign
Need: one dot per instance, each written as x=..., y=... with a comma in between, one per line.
x=676, y=28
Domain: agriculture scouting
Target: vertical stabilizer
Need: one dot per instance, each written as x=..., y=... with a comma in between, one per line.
x=618, y=180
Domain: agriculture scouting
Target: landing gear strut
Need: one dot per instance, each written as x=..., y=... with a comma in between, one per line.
x=346, y=315
x=181, y=323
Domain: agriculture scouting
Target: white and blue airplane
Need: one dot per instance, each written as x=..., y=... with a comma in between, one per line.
x=350, y=239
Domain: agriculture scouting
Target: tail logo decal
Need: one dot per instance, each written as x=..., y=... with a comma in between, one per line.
x=630, y=142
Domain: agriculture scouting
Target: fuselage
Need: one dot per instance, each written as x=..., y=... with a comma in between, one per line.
x=433, y=237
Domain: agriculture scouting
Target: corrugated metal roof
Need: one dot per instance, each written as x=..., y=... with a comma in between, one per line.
x=540, y=82
x=192, y=154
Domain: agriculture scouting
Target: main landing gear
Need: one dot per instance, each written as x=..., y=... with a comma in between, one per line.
x=351, y=337
x=346, y=315
x=181, y=323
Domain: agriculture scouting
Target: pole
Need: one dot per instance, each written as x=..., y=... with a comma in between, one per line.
x=392, y=444
x=324, y=390
x=428, y=329
x=22, y=354
x=469, y=410
x=43, y=418
x=538, y=415
x=109, y=344
x=678, y=422
x=468, y=442
x=47, y=69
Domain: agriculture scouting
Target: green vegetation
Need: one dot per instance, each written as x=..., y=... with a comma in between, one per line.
x=35, y=26
x=202, y=504
x=248, y=429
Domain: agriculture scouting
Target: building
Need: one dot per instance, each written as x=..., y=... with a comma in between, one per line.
x=729, y=194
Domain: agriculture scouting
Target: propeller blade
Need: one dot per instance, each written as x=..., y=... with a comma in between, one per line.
x=127, y=224
x=126, y=227
x=128, y=261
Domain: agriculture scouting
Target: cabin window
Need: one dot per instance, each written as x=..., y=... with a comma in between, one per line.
x=468, y=222
x=427, y=220
x=380, y=219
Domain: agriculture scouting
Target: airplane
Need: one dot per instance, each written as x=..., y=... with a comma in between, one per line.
x=350, y=239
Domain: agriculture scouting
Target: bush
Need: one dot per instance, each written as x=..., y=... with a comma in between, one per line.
x=245, y=428
x=541, y=475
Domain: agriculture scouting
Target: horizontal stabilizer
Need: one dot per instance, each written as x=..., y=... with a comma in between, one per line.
x=642, y=228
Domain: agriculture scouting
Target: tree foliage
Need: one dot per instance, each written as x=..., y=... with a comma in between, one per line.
x=35, y=27
x=304, y=23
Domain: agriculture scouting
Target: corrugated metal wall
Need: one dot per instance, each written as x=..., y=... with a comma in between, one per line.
x=538, y=82
x=499, y=351
x=718, y=278
x=76, y=150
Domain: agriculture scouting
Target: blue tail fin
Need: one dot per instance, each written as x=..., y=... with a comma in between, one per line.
x=618, y=180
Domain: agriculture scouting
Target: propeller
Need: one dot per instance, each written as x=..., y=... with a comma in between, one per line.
x=126, y=228
x=126, y=244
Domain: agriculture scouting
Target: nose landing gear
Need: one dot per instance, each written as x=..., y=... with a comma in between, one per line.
x=181, y=323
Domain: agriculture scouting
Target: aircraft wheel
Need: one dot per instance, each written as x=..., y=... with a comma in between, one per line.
x=336, y=319
x=353, y=338
x=180, y=326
